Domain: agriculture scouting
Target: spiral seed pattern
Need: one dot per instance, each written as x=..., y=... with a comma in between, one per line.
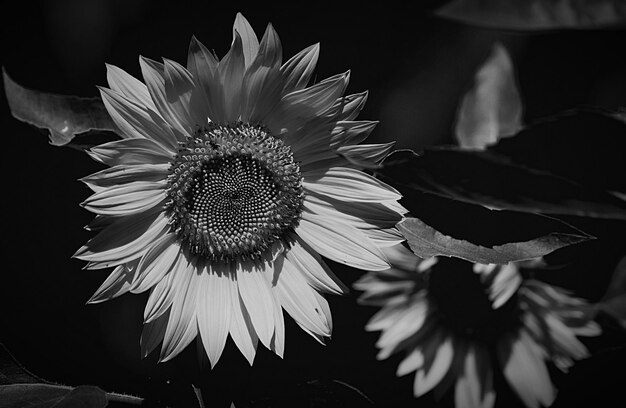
x=234, y=190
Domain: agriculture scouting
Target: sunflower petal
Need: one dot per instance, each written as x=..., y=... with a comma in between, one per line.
x=137, y=121
x=130, y=151
x=298, y=69
x=278, y=340
x=351, y=105
x=241, y=329
x=118, y=251
x=182, y=326
x=426, y=380
x=256, y=295
x=351, y=132
x=358, y=214
x=214, y=311
x=156, y=263
x=298, y=299
x=564, y=338
x=413, y=361
x=525, y=370
x=407, y=322
x=123, y=174
x=262, y=82
x=314, y=269
x=179, y=86
x=164, y=96
x=116, y=284
x=347, y=184
x=129, y=86
x=230, y=72
x=249, y=40
x=373, y=153
x=469, y=387
x=341, y=242
x=126, y=199
x=203, y=67
x=162, y=294
x=152, y=334
x=316, y=99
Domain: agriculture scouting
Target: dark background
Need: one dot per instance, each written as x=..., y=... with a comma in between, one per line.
x=416, y=68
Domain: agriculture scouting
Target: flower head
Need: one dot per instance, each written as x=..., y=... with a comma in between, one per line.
x=232, y=179
x=451, y=324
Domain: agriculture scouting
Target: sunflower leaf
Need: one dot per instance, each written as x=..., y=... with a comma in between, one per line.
x=21, y=388
x=491, y=180
x=587, y=146
x=536, y=14
x=492, y=108
x=426, y=242
x=64, y=117
x=12, y=372
x=47, y=395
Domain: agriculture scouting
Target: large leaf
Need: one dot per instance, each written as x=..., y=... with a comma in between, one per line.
x=536, y=14
x=425, y=242
x=12, y=372
x=63, y=116
x=486, y=179
x=492, y=108
x=49, y=396
x=587, y=146
x=322, y=393
x=21, y=388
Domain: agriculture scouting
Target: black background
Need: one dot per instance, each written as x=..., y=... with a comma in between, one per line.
x=416, y=68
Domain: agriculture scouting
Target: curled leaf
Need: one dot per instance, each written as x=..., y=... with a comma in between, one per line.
x=426, y=242
x=492, y=108
x=63, y=116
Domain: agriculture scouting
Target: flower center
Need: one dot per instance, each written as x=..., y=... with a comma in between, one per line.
x=464, y=303
x=234, y=190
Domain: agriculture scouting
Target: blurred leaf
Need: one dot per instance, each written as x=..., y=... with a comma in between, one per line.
x=321, y=393
x=425, y=242
x=47, y=395
x=483, y=178
x=614, y=301
x=63, y=116
x=492, y=108
x=536, y=14
x=20, y=388
x=12, y=372
x=585, y=145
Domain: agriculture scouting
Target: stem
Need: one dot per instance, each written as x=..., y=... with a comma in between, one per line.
x=128, y=399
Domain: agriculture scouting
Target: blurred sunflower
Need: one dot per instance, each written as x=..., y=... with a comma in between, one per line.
x=452, y=323
x=233, y=177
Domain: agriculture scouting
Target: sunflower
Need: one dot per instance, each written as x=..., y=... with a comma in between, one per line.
x=231, y=181
x=452, y=323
